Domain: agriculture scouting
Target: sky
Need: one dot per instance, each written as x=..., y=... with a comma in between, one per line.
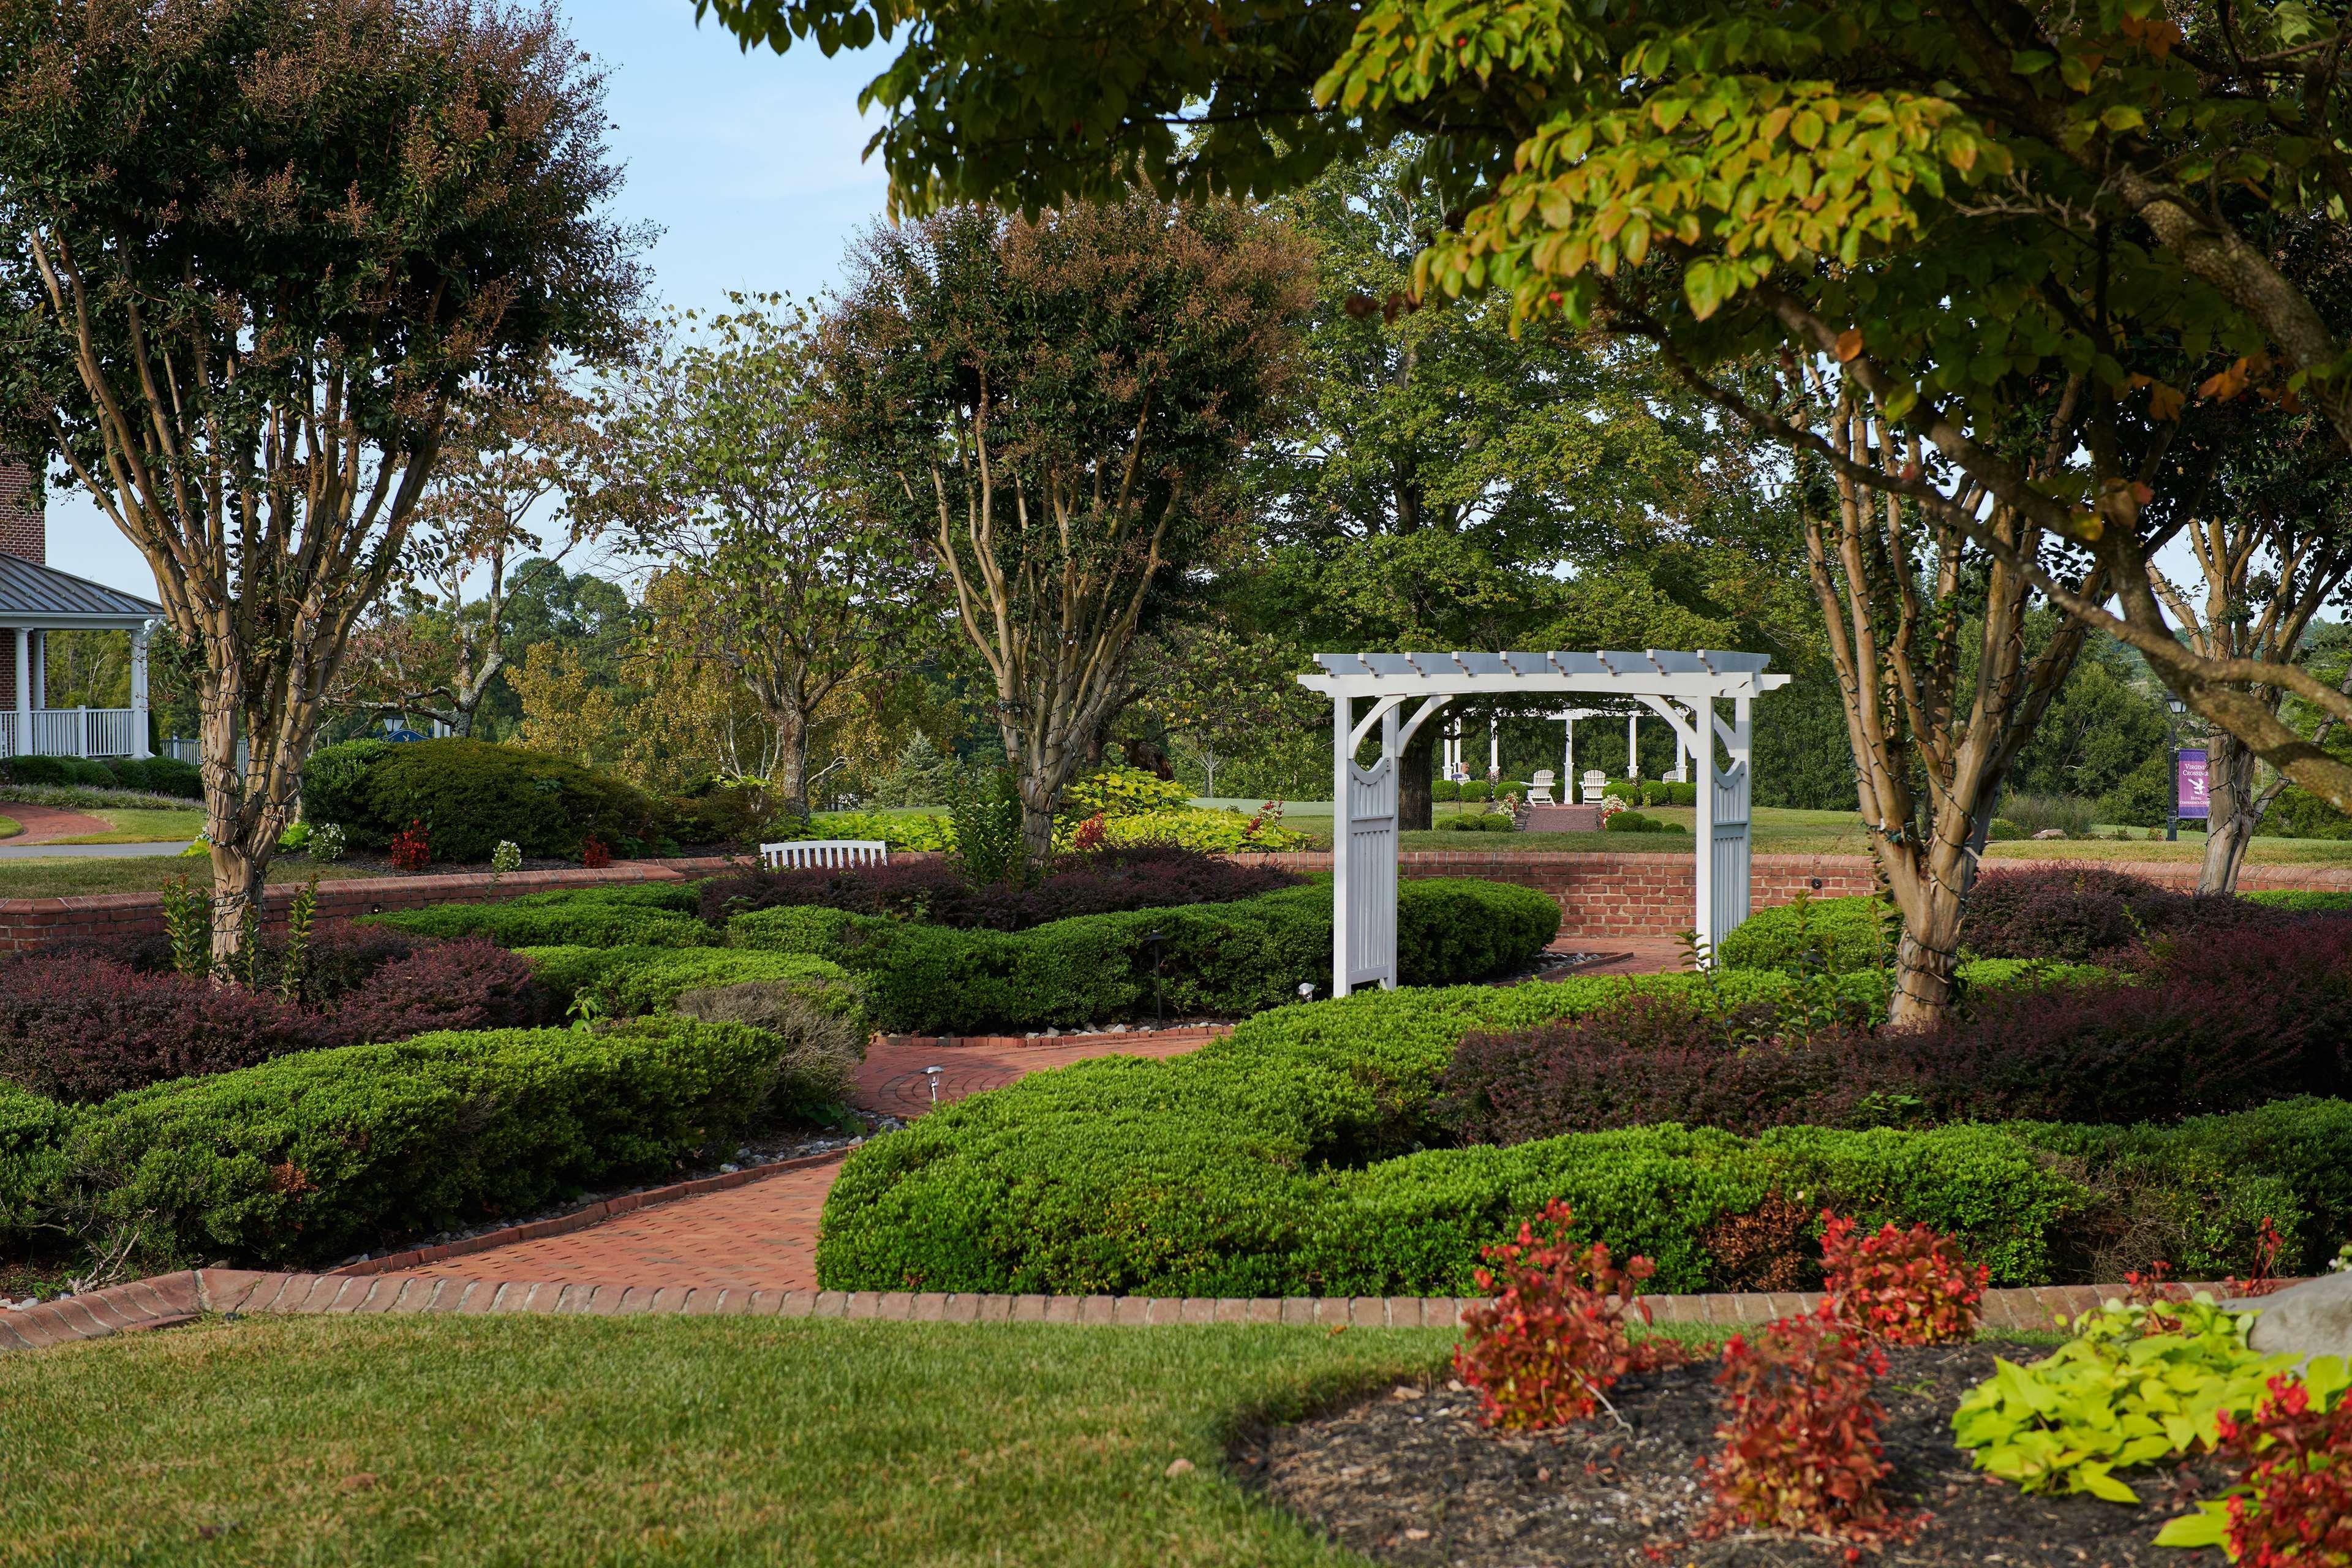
x=748, y=164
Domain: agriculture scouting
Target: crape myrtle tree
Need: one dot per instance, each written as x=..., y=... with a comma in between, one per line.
x=1054, y=407
x=2088, y=221
x=513, y=469
x=250, y=251
x=720, y=467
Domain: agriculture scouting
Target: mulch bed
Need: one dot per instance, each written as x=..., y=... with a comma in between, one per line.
x=1409, y=1476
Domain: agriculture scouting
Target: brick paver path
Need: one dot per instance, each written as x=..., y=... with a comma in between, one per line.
x=763, y=1235
x=47, y=824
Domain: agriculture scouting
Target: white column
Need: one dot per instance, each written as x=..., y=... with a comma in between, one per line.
x=23, y=692
x=1343, y=761
x=40, y=669
x=139, y=747
x=1494, y=748
x=1568, y=760
x=1633, y=745
x=1702, y=715
x=1682, y=758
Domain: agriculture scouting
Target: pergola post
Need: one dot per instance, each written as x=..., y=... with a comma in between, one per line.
x=139, y=747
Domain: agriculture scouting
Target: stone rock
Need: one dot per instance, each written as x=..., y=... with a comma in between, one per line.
x=2313, y=1318
x=2051, y=833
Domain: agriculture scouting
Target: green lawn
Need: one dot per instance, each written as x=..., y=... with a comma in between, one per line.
x=65, y=877
x=141, y=825
x=669, y=1441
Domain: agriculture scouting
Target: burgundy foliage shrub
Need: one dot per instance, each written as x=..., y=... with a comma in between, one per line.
x=2255, y=1014
x=82, y=1027
x=470, y=983
x=2083, y=913
x=1104, y=882
x=79, y=1029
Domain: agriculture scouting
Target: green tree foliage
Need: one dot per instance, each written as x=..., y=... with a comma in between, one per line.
x=721, y=468
x=250, y=252
x=1053, y=409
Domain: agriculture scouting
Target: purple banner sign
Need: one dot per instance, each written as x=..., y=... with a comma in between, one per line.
x=2188, y=783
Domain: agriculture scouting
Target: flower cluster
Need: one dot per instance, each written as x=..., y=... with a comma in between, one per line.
x=411, y=849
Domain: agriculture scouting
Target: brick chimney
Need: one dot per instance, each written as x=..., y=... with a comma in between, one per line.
x=23, y=532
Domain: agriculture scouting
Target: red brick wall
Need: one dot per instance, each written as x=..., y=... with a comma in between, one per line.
x=22, y=531
x=1599, y=894
x=28, y=925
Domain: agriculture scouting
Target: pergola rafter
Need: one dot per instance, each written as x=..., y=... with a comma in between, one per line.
x=1680, y=687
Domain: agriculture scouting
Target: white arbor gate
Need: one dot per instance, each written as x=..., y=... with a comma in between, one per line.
x=1680, y=687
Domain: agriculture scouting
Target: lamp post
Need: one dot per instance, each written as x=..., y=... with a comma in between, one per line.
x=2173, y=708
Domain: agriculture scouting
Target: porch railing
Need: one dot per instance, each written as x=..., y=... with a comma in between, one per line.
x=72, y=733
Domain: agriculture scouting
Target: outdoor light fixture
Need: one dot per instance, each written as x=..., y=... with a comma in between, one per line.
x=933, y=1074
x=2178, y=706
x=1307, y=991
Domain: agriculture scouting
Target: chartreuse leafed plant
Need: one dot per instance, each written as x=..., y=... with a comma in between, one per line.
x=2136, y=1385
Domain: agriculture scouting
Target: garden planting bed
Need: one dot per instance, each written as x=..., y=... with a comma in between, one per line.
x=1409, y=1476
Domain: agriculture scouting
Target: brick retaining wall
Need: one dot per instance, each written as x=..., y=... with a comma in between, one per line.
x=28, y=925
x=1599, y=894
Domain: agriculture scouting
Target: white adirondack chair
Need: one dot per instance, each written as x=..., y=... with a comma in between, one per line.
x=1595, y=781
x=802, y=852
x=1539, y=789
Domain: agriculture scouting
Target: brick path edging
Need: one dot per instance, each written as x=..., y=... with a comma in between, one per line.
x=172, y=1298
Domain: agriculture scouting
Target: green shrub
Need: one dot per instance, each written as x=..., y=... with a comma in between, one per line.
x=33, y=1134
x=1120, y=792
x=60, y=771
x=159, y=775
x=1223, y=832
x=1842, y=936
x=899, y=832
x=470, y=794
x=2303, y=901
x=1291, y=1158
x=1478, y=822
x=323, y=1154
x=655, y=914
x=1634, y=822
x=633, y=980
x=1221, y=960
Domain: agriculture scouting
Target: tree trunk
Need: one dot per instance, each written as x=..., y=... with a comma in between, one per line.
x=241, y=846
x=1927, y=954
x=2235, y=813
x=791, y=782
x=1413, y=794
x=1041, y=779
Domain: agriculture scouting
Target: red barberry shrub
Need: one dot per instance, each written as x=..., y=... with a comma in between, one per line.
x=1553, y=1343
x=411, y=849
x=2297, y=1509
x=1900, y=1286
x=594, y=853
x=1089, y=836
x=1801, y=1441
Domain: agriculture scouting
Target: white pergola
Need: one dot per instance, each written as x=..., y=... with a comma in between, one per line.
x=1680, y=687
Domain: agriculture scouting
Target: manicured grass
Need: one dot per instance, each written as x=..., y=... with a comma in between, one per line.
x=65, y=877
x=138, y=825
x=10, y=827
x=670, y=1441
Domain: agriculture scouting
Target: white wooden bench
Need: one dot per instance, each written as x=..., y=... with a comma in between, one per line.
x=799, y=854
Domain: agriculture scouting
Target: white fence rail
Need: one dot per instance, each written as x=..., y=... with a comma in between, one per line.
x=71, y=733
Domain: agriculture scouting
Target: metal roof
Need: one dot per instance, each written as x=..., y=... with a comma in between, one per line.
x=31, y=591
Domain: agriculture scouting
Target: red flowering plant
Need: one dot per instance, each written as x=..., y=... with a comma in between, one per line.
x=1801, y=1441
x=2155, y=1286
x=411, y=849
x=1554, y=1341
x=2291, y=1506
x=2264, y=1279
x=1904, y=1288
x=594, y=853
x=1089, y=836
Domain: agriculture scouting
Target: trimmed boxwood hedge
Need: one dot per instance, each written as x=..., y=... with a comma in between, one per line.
x=33, y=1130
x=1223, y=960
x=634, y=980
x=1291, y=1159
x=470, y=794
x=656, y=914
x=315, y=1156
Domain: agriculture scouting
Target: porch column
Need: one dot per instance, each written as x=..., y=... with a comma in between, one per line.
x=23, y=692
x=139, y=747
x=1633, y=745
x=1494, y=748
x=40, y=669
